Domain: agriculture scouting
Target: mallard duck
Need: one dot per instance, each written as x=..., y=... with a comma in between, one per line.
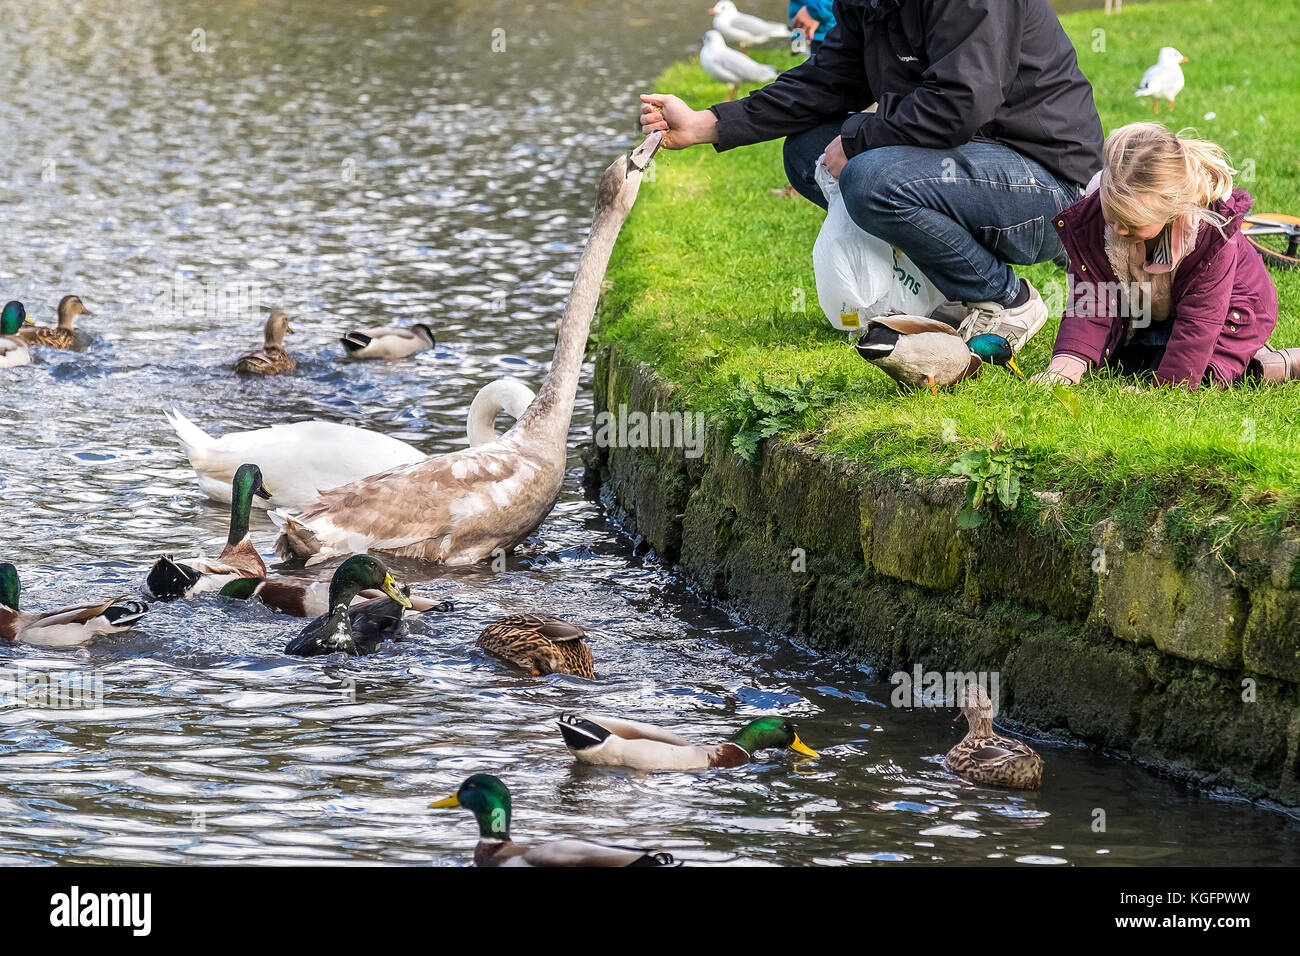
x=984, y=756
x=612, y=742
x=927, y=353
x=64, y=335
x=461, y=507
x=539, y=643
x=390, y=342
x=300, y=458
x=271, y=358
x=66, y=627
x=488, y=799
x=169, y=580
x=303, y=597
x=359, y=629
x=13, y=349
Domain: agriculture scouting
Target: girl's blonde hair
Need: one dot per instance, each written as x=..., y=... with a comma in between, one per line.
x=1152, y=175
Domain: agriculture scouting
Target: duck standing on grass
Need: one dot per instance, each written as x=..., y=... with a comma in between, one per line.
x=271, y=358
x=354, y=629
x=64, y=335
x=488, y=799
x=390, y=342
x=539, y=643
x=731, y=66
x=927, y=353
x=13, y=348
x=168, y=580
x=66, y=627
x=612, y=742
x=985, y=757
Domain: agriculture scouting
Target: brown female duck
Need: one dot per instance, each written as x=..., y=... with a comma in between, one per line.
x=985, y=757
x=539, y=643
x=271, y=358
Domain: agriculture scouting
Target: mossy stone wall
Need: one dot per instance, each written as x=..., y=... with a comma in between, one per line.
x=1186, y=661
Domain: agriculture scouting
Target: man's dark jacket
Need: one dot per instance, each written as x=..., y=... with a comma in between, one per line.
x=944, y=72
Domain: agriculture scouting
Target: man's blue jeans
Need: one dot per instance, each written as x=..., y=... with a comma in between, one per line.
x=960, y=214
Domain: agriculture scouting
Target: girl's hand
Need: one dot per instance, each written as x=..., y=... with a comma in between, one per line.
x=1064, y=370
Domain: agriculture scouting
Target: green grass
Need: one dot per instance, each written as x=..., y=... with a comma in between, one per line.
x=709, y=272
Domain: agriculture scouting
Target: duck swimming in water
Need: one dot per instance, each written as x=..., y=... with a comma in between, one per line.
x=613, y=742
x=986, y=757
x=271, y=358
x=13, y=348
x=488, y=799
x=64, y=335
x=65, y=627
x=168, y=580
x=354, y=629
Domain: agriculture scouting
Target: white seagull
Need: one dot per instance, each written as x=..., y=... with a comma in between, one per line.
x=743, y=29
x=1163, y=81
x=731, y=66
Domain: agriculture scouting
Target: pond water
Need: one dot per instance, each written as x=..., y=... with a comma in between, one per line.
x=366, y=162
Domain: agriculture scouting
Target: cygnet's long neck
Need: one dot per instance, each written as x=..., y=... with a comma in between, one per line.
x=547, y=419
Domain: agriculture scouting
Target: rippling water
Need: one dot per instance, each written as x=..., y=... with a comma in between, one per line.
x=369, y=162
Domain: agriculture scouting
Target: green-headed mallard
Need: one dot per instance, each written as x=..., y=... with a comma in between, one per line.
x=271, y=358
x=13, y=348
x=66, y=627
x=354, y=630
x=390, y=342
x=927, y=353
x=611, y=742
x=462, y=507
x=64, y=335
x=304, y=597
x=488, y=799
x=169, y=580
x=540, y=643
x=985, y=757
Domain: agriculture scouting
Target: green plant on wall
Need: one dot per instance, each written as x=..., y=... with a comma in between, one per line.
x=761, y=409
x=994, y=477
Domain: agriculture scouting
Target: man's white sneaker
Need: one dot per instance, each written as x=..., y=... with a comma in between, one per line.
x=1016, y=324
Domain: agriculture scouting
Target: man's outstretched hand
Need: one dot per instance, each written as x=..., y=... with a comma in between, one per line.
x=682, y=125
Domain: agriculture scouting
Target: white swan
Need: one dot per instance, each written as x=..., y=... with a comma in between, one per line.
x=461, y=507
x=300, y=459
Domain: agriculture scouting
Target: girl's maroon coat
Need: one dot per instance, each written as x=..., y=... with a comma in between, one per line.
x=1223, y=303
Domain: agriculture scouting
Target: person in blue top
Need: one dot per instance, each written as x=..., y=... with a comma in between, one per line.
x=813, y=18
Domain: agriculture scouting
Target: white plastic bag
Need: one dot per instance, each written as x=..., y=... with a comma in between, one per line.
x=860, y=276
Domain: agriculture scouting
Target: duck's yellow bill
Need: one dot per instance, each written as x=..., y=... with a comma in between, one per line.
x=1011, y=364
x=28, y=320
x=390, y=588
x=444, y=804
x=800, y=747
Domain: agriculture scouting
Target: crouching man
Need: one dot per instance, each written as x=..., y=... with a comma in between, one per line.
x=985, y=129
